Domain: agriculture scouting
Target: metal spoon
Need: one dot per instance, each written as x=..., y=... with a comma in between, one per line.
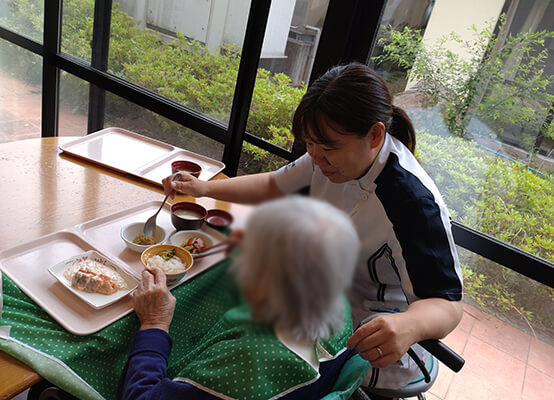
x=150, y=225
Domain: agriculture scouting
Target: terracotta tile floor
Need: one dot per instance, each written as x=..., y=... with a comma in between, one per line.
x=502, y=362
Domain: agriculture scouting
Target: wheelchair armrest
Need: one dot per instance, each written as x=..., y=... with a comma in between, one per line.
x=443, y=353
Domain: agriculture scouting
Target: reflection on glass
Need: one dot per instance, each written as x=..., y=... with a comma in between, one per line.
x=73, y=109
x=20, y=93
x=124, y=114
x=25, y=17
x=77, y=22
x=477, y=89
x=188, y=51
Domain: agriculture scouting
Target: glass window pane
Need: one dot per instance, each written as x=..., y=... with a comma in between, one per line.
x=73, y=109
x=20, y=93
x=24, y=17
x=77, y=22
x=290, y=44
x=506, y=294
x=476, y=87
x=254, y=159
x=124, y=114
x=505, y=336
x=188, y=51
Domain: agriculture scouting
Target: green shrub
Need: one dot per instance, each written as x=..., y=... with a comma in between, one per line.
x=505, y=200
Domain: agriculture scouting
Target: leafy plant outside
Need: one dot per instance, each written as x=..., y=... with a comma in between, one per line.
x=501, y=82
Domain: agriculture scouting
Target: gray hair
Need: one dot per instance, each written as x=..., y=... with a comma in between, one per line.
x=301, y=254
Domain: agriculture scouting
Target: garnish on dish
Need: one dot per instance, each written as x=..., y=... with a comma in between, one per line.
x=194, y=245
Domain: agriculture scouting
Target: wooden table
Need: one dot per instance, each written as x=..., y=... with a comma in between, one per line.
x=44, y=191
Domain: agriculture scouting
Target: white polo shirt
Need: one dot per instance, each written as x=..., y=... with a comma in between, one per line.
x=408, y=251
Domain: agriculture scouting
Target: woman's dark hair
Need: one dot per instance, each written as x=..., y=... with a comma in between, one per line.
x=351, y=98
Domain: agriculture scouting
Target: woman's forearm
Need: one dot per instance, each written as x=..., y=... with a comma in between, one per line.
x=434, y=318
x=247, y=189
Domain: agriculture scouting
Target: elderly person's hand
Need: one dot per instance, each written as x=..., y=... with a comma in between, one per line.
x=234, y=240
x=153, y=302
x=188, y=184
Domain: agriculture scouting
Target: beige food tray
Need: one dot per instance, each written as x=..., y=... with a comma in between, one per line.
x=138, y=155
x=27, y=266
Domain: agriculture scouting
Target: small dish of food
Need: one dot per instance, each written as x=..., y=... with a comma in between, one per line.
x=192, y=241
x=186, y=166
x=133, y=236
x=219, y=219
x=173, y=260
x=187, y=215
x=94, y=278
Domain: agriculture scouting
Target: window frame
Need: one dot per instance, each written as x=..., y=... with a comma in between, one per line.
x=337, y=45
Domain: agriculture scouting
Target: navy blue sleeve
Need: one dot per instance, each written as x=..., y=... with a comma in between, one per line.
x=430, y=258
x=144, y=375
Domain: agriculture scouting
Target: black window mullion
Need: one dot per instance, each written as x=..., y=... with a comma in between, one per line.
x=22, y=41
x=265, y=145
x=50, y=73
x=99, y=61
x=246, y=78
x=504, y=254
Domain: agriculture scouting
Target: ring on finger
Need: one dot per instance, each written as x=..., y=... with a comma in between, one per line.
x=379, y=351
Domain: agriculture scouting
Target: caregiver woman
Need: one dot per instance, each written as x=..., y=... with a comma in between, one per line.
x=359, y=158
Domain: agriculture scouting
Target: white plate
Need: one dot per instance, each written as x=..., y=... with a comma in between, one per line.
x=95, y=300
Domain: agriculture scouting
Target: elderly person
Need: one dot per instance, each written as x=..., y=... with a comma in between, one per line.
x=286, y=339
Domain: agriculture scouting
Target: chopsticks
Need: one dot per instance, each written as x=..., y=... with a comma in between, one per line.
x=198, y=255
x=207, y=252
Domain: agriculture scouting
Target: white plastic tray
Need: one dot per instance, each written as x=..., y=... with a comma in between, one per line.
x=27, y=266
x=138, y=155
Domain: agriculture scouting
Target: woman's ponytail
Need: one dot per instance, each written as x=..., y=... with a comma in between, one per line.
x=401, y=127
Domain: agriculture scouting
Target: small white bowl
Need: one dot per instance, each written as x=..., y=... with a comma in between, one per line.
x=131, y=231
x=180, y=237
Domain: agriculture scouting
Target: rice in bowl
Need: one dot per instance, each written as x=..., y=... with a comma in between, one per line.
x=170, y=266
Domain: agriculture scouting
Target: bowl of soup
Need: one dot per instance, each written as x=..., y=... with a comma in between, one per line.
x=174, y=261
x=186, y=166
x=187, y=216
x=219, y=219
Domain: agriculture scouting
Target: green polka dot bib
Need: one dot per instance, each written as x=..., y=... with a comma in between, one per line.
x=216, y=345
